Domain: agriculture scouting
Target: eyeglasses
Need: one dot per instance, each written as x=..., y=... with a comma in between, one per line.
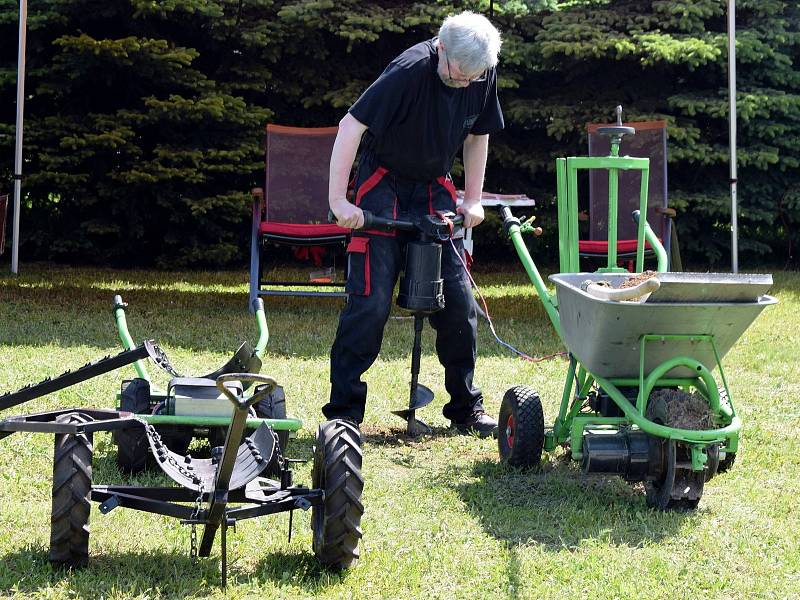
x=466, y=80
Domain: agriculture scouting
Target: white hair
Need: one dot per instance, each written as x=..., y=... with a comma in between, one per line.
x=471, y=40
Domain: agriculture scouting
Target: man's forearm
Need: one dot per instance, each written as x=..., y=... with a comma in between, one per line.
x=476, y=148
x=343, y=155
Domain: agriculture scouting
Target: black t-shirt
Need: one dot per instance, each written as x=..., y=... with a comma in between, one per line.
x=417, y=123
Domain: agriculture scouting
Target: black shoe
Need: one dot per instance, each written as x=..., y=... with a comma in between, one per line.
x=478, y=422
x=351, y=420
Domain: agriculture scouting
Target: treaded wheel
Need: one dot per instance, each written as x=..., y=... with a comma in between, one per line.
x=712, y=465
x=520, y=436
x=132, y=446
x=177, y=437
x=726, y=463
x=677, y=487
x=336, y=524
x=72, y=487
x=274, y=407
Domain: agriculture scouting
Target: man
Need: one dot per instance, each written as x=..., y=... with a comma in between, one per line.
x=435, y=98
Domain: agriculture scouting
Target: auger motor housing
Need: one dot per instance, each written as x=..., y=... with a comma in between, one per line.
x=421, y=286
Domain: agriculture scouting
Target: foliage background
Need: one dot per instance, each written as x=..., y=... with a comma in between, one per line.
x=144, y=118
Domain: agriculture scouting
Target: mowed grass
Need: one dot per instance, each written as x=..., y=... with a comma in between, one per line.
x=443, y=518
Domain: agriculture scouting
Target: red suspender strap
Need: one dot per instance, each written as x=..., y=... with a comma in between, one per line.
x=370, y=183
x=448, y=185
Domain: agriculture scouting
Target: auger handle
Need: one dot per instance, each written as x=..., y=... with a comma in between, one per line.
x=372, y=221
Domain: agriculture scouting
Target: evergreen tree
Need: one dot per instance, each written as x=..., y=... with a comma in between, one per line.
x=144, y=120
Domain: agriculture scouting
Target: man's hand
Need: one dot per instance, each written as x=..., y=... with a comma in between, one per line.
x=472, y=211
x=347, y=215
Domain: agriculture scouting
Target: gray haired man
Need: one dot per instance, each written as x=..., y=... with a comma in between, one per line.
x=434, y=99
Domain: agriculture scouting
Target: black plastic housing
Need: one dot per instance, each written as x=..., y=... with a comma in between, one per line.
x=624, y=453
x=421, y=286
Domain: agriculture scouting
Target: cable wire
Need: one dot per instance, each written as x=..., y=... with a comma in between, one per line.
x=503, y=343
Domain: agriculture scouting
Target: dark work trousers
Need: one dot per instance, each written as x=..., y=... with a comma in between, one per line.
x=375, y=262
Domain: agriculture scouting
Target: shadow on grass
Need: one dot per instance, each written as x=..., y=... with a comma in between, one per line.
x=385, y=435
x=300, y=569
x=173, y=574
x=156, y=574
x=561, y=509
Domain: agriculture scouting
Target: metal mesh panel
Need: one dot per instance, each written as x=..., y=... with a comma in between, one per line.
x=650, y=142
x=297, y=166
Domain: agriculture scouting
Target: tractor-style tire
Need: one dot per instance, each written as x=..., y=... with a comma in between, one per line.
x=133, y=448
x=176, y=437
x=520, y=436
x=336, y=524
x=72, y=487
x=726, y=463
x=274, y=407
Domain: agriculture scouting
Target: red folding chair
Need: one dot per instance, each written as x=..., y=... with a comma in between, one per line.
x=292, y=208
x=650, y=141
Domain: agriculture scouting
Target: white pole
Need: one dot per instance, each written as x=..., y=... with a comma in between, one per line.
x=732, y=131
x=23, y=18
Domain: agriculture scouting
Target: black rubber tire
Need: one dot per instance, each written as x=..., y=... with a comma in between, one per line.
x=216, y=436
x=176, y=437
x=132, y=446
x=520, y=435
x=274, y=407
x=659, y=494
x=712, y=466
x=336, y=524
x=726, y=463
x=72, y=487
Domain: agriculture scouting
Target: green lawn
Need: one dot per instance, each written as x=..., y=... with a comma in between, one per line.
x=443, y=519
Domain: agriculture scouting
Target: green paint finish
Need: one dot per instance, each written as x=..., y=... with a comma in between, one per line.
x=263, y=333
x=277, y=424
x=127, y=342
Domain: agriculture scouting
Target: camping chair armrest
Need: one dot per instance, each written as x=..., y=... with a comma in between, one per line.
x=667, y=212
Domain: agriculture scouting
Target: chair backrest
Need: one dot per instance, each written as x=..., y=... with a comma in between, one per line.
x=297, y=167
x=650, y=142
x=3, y=211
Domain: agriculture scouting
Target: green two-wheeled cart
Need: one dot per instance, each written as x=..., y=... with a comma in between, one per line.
x=645, y=394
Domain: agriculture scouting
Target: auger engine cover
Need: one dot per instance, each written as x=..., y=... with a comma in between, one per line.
x=421, y=286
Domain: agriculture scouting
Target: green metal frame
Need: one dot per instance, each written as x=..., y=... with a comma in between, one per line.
x=573, y=419
x=288, y=424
